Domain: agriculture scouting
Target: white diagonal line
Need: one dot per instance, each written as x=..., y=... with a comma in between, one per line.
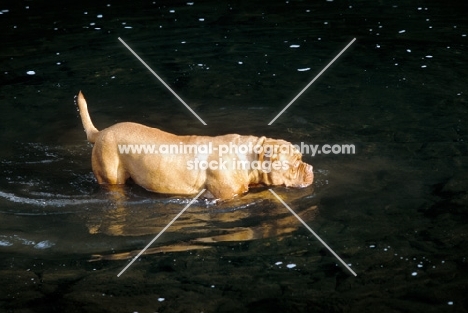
x=313, y=80
x=161, y=232
x=162, y=81
x=313, y=233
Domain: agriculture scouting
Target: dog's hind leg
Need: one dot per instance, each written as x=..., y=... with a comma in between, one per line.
x=107, y=168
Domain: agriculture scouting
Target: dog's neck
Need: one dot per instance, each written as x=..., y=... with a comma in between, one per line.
x=257, y=176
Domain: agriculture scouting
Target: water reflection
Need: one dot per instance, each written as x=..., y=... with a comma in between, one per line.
x=254, y=216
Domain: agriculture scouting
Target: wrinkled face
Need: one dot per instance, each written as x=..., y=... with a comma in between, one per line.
x=287, y=167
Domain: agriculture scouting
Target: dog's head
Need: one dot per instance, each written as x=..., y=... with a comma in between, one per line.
x=282, y=165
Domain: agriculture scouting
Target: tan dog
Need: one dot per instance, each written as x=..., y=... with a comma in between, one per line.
x=166, y=163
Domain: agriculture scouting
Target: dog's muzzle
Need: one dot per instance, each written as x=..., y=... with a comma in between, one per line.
x=306, y=176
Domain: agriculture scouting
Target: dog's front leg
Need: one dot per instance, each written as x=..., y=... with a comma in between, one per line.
x=226, y=184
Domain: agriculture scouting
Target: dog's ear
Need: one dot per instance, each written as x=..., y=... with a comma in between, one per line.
x=280, y=150
x=272, y=148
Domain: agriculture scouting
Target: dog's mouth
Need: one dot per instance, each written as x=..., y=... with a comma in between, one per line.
x=305, y=176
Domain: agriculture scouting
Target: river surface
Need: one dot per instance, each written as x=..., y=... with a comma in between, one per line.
x=395, y=211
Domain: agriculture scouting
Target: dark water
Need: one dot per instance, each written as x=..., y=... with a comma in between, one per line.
x=396, y=211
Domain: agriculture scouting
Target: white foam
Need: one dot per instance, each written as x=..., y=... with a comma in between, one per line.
x=5, y=243
x=46, y=202
x=44, y=245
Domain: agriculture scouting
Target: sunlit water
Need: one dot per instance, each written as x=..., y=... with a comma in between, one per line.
x=395, y=211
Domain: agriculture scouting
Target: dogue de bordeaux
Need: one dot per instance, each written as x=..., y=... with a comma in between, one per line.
x=166, y=163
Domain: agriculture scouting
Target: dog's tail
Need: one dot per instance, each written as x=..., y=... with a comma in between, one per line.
x=91, y=131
